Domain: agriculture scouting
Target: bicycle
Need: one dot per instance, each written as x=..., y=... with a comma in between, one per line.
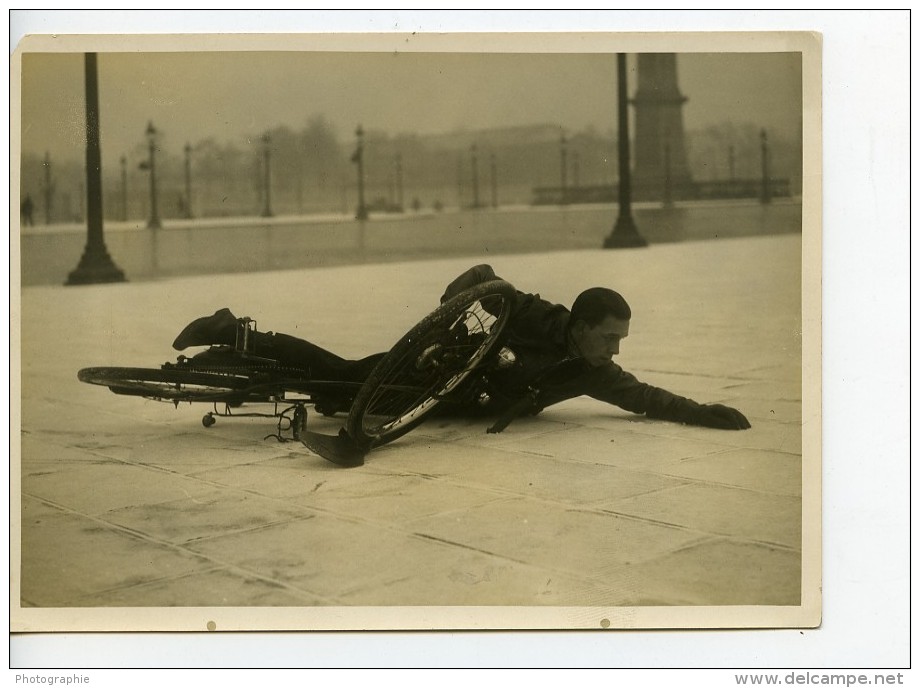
x=445, y=357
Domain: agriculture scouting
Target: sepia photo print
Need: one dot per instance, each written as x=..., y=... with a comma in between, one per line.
x=407, y=331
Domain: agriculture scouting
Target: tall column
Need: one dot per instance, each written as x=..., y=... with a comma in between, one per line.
x=659, y=121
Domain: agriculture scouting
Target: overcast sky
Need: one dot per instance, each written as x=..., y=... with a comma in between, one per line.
x=235, y=95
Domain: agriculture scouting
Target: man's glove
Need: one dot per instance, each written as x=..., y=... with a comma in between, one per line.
x=721, y=417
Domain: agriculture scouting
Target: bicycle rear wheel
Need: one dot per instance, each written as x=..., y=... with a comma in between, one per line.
x=171, y=384
x=430, y=363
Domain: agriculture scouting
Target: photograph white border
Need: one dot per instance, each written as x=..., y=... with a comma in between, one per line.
x=745, y=19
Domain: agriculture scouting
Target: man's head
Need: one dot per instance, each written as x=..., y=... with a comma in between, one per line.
x=599, y=320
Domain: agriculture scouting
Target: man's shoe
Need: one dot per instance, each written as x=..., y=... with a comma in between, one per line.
x=219, y=328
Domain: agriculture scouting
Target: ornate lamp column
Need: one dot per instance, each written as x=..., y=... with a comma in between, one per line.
x=563, y=169
x=358, y=158
x=96, y=265
x=267, y=181
x=399, y=183
x=154, y=221
x=188, y=180
x=765, y=196
x=475, y=164
x=494, y=181
x=124, y=188
x=49, y=188
x=624, y=234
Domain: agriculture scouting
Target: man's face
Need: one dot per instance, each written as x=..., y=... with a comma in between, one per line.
x=600, y=343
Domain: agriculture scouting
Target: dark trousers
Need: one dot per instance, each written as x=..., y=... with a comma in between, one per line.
x=319, y=363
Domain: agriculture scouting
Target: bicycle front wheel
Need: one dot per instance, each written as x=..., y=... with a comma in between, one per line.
x=430, y=363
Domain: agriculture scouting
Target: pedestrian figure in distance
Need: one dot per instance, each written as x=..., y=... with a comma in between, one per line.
x=26, y=210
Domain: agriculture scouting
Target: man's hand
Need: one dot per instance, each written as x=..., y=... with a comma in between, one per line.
x=721, y=417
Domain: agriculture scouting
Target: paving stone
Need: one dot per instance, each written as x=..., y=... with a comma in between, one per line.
x=719, y=510
x=587, y=543
x=97, y=487
x=401, y=499
x=66, y=558
x=212, y=588
x=193, y=452
x=619, y=445
x=555, y=478
x=467, y=578
x=295, y=476
x=754, y=469
x=429, y=457
x=207, y=515
x=716, y=572
x=767, y=435
x=330, y=556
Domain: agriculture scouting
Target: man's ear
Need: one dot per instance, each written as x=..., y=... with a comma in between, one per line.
x=579, y=327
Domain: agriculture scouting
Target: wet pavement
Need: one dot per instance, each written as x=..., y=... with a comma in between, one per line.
x=583, y=515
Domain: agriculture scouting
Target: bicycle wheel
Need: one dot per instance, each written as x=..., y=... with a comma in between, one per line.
x=430, y=363
x=170, y=384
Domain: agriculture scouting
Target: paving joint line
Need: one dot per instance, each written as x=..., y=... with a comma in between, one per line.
x=217, y=563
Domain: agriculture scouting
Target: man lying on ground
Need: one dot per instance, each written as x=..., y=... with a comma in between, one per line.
x=568, y=352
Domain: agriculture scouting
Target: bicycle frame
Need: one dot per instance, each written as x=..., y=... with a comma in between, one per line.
x=443, y=358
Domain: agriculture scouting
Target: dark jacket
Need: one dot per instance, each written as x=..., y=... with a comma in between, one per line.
x=546, y=373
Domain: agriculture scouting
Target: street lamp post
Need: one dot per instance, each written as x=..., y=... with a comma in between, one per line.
x=624, y=234
x=188, y=181
x=267, y=179
x=494, y=180
x=765, y=168
x=460, y=181
x=563, y=169
x=475, y=164
x=49, y=188
x=576, y=172
x=154, y=221
x=358, y=158
x=668, y=201
x=95, y=265
x=124, y=188
x=399, y=183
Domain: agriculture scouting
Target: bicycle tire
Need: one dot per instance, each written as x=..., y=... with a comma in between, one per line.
x=171, y=384
x=398, y=395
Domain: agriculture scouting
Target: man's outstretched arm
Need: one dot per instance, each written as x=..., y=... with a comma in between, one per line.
x=624, y=390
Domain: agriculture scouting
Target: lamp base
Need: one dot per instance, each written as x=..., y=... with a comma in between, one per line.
x=625, y=235
x=95, y=267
